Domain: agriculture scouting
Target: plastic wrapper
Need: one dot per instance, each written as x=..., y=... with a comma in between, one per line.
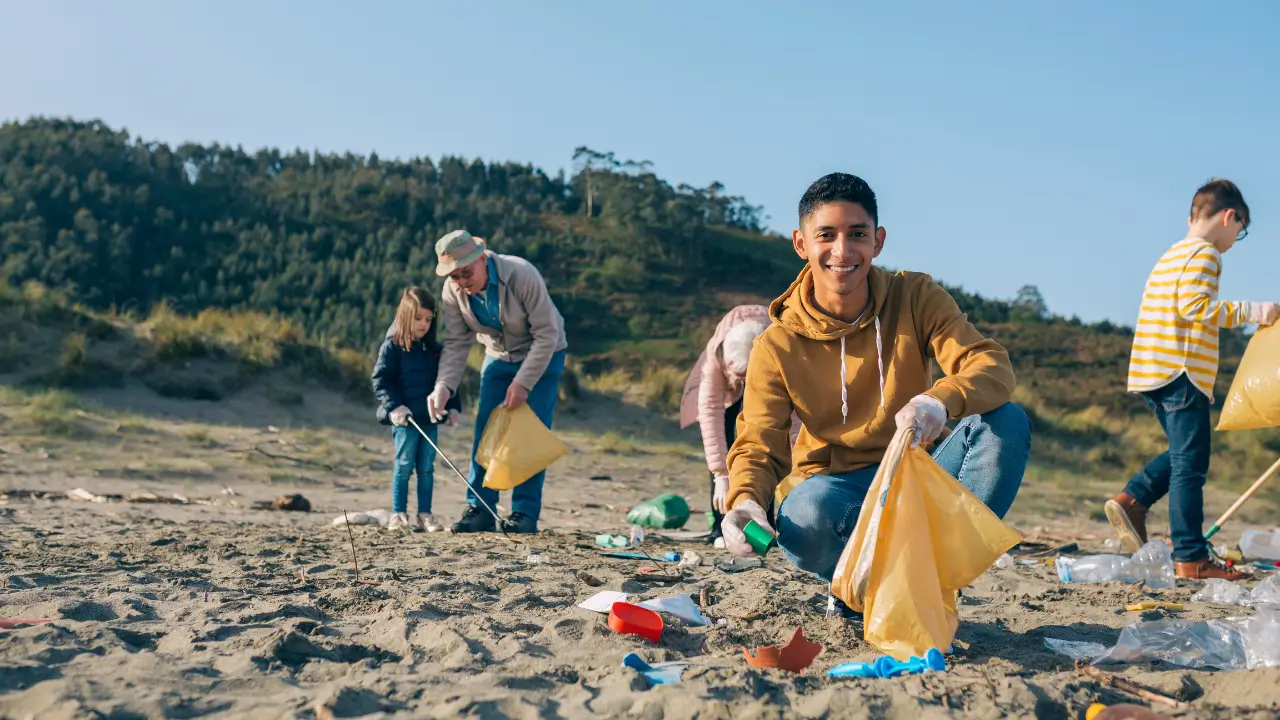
x=1221, y=592
x=920, y=537
x=1152, y=564
x=516, y=445
x=665, y=512
x=1082, y=651
x=1253, y=402
x=1190, y=644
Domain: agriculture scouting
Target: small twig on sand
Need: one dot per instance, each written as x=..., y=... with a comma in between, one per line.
x=290, y=458
x=1123, y=685
x=352, y=537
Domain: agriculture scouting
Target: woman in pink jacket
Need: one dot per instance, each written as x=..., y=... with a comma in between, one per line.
x=713, y=394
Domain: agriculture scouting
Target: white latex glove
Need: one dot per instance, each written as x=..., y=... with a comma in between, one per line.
x=721, y=484
x=436, y=401
x=455, y=418
x=736, y=519
x=400, y=416
x=927, y=415
x=1265, y=313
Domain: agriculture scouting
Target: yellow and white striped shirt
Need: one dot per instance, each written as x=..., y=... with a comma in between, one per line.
x=1179, y=320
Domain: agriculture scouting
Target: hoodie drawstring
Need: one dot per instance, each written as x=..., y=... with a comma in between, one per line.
x=844, y=386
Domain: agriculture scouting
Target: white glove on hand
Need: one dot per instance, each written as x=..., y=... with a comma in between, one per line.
x=721, y=484
x=436, y=401
x=736, y=519
x=455, y=418
x=400, y=416
x=927, y=415
x=1265, y=313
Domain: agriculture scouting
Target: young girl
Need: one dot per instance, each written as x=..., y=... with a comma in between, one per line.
x=403, y=376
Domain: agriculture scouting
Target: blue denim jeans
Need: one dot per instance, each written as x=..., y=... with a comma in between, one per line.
x=413, y=454
x=1183, y=413
x=987, y=453
x=495, y=377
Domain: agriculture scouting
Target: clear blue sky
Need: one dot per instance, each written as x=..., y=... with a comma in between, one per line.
x=1056, y=144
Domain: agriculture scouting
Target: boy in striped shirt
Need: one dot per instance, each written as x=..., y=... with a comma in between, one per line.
x=1173, y=366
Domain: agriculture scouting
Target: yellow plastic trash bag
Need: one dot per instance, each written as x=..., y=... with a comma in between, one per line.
x=1253, y=402
x=515, y=447
x=921, y=537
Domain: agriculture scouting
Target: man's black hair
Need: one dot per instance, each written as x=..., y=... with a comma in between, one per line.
x=839, y=187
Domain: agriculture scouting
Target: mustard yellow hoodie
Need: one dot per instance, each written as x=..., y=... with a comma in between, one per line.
x=802, y=361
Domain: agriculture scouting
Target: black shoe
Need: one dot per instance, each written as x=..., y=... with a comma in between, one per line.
x=474, y=520
x=520, y=523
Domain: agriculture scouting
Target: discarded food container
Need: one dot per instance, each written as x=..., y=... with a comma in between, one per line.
x=761, y=540
x=628, y=619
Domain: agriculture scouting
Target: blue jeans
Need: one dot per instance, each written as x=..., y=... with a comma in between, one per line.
x=987, y=453
x=1183, y=412
x=495, y=377
x=413, y=453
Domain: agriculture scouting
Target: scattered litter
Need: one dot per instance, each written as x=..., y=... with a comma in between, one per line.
x=665, y=512
x=294, y=502
x=1152, y=564
x=663, y=673
x=1005, y=561
x=656, y=577
x=535, y=559
x=1111, y=544
x=611, y=541
x=1223, y=592
x=1272, y=567
x=682, y=606
x=588, y=579
x=12, y=624
x=82, y=494
x=1123, y=711
x=628, y=619
x=600, y=478
x=739, y=564
x=1229, y=644
x=637, y=536
x=1153, y=605
x=690, y=560
x=602, y=601
x=886, y=667
x=273, y=429
x=625, y=555
x=795, y=656
x=1227, y=553
x=356, y=518
x=1080, y=651
x=1260, y=544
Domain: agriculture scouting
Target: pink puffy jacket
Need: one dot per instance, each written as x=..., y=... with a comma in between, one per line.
x=707, y=394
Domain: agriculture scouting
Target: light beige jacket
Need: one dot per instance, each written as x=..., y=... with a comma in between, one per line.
x=532, y=328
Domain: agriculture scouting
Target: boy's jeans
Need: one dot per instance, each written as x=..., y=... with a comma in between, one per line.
x=495, y=378
x=1183, y=412
x=413, y=453
x=987, y=453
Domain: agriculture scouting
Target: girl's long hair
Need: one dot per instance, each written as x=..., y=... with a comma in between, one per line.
x=413, y=300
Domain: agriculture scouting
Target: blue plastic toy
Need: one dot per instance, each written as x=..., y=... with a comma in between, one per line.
x=887, y=667
x=658, y=674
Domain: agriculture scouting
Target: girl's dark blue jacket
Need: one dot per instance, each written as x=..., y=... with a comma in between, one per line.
x=407, y=377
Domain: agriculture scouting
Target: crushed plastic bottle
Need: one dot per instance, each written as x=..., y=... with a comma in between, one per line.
x=1221, y=592
x=1260, y=545
x=637, y=536
x=1005, y=561
x=1152, y=564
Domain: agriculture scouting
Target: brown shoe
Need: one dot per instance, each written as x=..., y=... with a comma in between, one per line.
x=1209, y=568
x=1129, y=518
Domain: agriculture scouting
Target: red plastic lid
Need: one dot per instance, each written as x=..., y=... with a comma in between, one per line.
x=628, y=619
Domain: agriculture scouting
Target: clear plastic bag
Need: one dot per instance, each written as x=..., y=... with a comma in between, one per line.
x=516, y=445
x=920, y=537
x=1190, y=644
x=1082, y=651
x=1222, y=592
x=1260, y=544
x=1253, y=402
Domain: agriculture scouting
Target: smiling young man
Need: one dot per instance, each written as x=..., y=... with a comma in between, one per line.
x=849, y=352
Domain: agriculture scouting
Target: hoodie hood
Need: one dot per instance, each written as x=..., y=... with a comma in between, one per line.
x=796, y=311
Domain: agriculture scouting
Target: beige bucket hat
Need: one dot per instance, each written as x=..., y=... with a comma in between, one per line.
x=457, y=249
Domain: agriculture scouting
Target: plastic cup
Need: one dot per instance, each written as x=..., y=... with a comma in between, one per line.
x=761, y=540
x=628, y=619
